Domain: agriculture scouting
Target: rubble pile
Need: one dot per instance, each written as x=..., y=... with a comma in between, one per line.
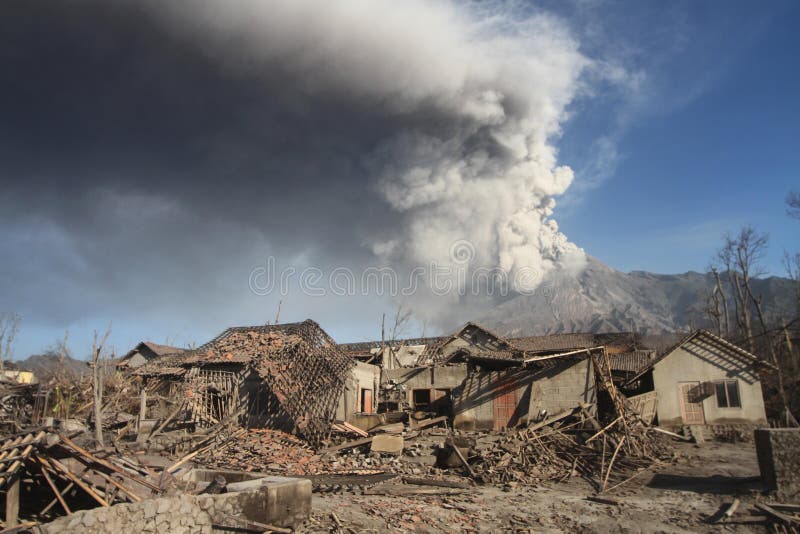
x=18, y=404
x=531, y=457
x=266, y=451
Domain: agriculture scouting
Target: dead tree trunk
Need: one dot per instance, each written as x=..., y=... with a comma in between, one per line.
x=721, y=292
x=97, y=385
x=790, y=419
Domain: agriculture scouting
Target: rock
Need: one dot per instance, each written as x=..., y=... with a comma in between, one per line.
x=387, y=444
x=89, y=520
x=149, y=509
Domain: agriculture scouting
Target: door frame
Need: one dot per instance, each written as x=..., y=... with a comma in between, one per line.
x=684, y=402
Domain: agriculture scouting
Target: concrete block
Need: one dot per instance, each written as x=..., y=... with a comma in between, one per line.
x=387, y=444
x=778, y=451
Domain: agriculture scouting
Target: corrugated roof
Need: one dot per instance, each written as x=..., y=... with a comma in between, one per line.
x=631, y=362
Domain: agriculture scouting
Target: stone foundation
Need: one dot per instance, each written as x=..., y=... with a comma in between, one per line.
x=278, y=501
x=778, y=451
x=178, y=515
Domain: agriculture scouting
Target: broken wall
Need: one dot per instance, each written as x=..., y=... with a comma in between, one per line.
x=563, y=387
x=494, y=399
x=439, y=381
x=360, y=394
x=167, y=514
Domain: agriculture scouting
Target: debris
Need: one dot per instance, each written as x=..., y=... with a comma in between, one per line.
x=780, y=517
x=388, y=444
x=425, y=423
x=436, y=482
x=603, y=500
x=731, y=509
x=348, y=445
x=670, y=434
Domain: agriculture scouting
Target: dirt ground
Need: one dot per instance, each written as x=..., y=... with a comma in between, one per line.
x=684, y=495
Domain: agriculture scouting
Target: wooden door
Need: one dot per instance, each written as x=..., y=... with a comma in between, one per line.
x=366, y=401
x=691, y=404
x=505, y=405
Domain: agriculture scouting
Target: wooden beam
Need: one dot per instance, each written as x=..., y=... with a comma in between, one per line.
x=55, y=489
x=12, y=503
x=554, y=418
x=78, y=482
x=108, y=465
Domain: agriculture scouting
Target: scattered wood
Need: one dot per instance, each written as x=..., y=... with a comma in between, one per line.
x=731, y=509
x=425, y=423
x=776, y=515
x=555, y=418
x=52, y=485
x=463, y=460
x=336, y=520
x=347, y=445
x=436, y=482
x=250, y=525
x=108, y=465
x=410, y=489
x=611, y=463
x=791, y=508
x=603, y=500
x=670, y=434
x=603, y=430
x=354, y=429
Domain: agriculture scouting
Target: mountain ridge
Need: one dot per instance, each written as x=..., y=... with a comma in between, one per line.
x=602, y=299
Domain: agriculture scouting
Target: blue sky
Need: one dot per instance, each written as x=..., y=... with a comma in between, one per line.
x=141, y=181
x=714, y=145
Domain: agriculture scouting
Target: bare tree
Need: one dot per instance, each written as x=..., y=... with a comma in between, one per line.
x=719, y=291
x=9, y=326
x=793, y=204
x=741, y=255
x=98, y=370
x=402, y=319
x=712, y=309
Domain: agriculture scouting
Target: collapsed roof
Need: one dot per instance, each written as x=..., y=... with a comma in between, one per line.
x=302, y=366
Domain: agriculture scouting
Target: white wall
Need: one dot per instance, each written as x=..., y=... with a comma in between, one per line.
x=700, y=361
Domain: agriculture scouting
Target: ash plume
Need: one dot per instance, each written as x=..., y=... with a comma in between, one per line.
x=154, y=151
x=472, y=100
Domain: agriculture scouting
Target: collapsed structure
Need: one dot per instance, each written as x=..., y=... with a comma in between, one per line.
x=287, y=400
x=289, y=376
x=294, y=377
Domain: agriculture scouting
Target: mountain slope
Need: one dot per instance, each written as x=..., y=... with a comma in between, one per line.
x=601, y=299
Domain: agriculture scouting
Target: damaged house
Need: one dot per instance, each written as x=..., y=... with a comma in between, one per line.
x=478, y=378
x=144, y=352
x=289, y=376
x=701, y=380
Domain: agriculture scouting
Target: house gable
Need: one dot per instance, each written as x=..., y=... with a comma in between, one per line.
x=687, y=377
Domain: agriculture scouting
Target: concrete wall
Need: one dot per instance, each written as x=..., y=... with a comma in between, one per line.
x=559, y=387
x=699, y=361
x=438, y=377
x=779, y=461
x=564, y=389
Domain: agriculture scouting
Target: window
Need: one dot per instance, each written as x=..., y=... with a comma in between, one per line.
x=728, y=394
x=421, y=399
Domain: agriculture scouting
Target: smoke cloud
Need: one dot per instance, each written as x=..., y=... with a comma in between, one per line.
x=153, y=151
x=476, y=99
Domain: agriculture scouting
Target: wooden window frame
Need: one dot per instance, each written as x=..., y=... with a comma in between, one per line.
x=726, y=385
